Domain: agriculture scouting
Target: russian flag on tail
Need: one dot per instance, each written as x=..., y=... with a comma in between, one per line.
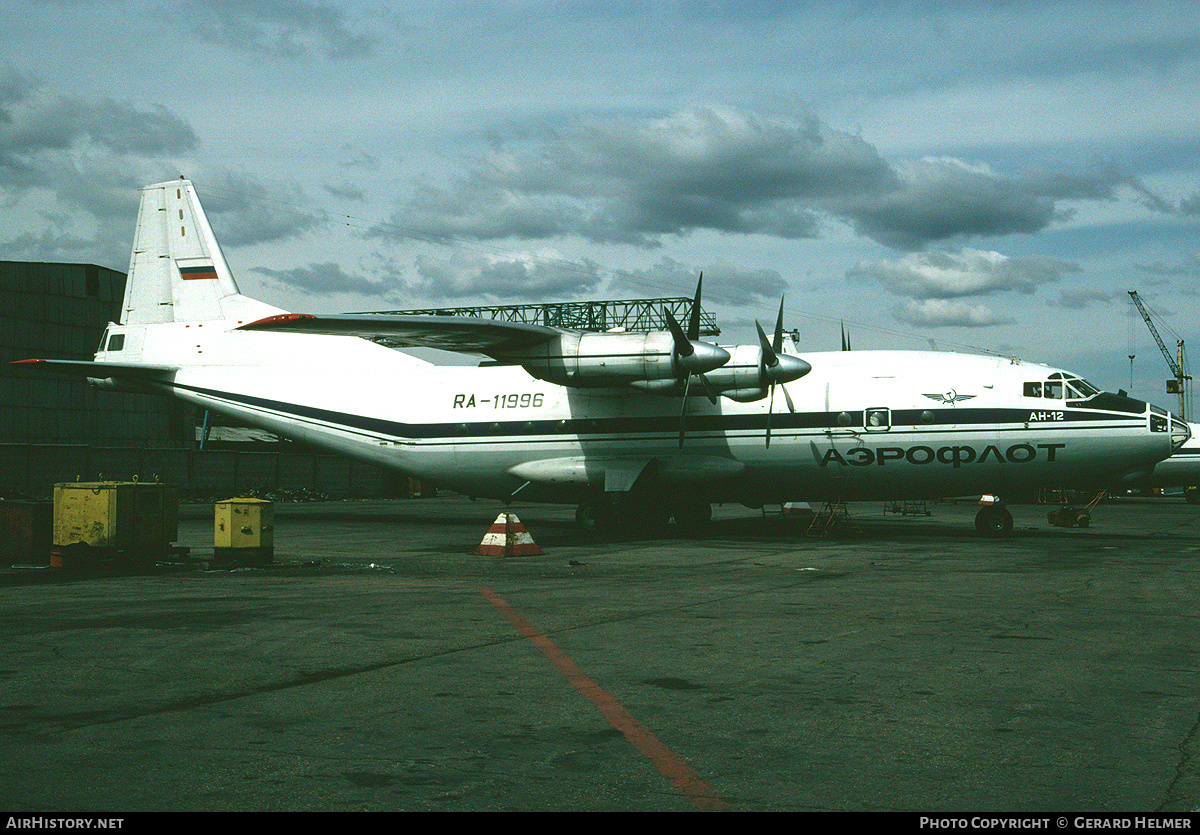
x=508, y=538
x=197, y=271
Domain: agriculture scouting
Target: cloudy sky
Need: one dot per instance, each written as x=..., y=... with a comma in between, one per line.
x=975, y=175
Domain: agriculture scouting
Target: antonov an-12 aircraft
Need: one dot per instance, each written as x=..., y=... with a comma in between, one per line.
x=635, y=428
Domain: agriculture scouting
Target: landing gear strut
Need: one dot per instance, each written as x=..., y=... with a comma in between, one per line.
x=629, y=515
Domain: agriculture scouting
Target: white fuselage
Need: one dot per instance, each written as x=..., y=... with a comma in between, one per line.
x=867, y=424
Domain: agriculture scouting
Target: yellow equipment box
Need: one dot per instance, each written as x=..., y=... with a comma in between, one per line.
x=124, y=515
x=244, y=529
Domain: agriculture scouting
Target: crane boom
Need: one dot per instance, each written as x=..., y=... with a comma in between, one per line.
x=1153, y=330
x=1176, y=366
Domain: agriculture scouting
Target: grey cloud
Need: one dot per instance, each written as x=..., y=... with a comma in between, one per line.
x=61, y=155
x=1190, y=266
x=37, y=131
x=244, y=210
x=116, y=126
x=49, y=245
x=483, y=211
x=33, y=123
x=289, y=28
x=942, y=199
x=14, y=88
x=944, y=275
x=467, y=274
x=723, y=282
x=346, y=191
x=64, y=157
x=327, y=278
x=1078, y=298
x=637, y=180
x=937, y=284
x=935, y=313
x=353, y=158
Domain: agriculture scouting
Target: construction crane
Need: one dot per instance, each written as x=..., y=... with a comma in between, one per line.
x=1177, y=385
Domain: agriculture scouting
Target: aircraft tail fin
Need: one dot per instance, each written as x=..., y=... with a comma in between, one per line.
x=177, y=272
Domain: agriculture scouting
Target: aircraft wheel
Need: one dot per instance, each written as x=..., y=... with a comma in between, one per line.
x=597, y=517
x=994, y=520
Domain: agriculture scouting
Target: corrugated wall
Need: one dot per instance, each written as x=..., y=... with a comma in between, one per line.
x=59, y=311
x=57, y=428
x=34, y=469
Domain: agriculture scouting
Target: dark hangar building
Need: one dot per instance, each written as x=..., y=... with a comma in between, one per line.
x=57, y=428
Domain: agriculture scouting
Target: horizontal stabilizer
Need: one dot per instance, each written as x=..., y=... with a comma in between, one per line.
x=448, y=333
x=98, y=370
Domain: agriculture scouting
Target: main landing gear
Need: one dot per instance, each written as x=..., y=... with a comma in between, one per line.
x=994, y=520
x=629, y=515
x=624, y=514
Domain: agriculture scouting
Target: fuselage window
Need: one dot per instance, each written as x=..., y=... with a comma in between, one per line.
x=116, y=342
x=877, y=419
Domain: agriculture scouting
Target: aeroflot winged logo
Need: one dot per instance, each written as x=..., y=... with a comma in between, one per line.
x=951, y=397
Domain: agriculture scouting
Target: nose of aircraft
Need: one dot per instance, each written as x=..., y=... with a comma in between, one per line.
x=1180, y=432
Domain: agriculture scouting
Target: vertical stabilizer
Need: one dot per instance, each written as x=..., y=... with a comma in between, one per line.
x=177, y=272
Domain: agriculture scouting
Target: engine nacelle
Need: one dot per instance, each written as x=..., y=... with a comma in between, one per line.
x=602, y=360
x=746, y=378
x=746, y=395
x=742, y=374
x=669, y=387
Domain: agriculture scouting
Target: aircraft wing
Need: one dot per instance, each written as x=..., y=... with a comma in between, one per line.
x=98, y=370
x=464, y=334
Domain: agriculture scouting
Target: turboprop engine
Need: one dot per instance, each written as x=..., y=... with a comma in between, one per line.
x=754, y=370
x=651, y=361
x=659, y=361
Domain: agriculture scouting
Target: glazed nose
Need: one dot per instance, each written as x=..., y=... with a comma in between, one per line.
x=1180, y=432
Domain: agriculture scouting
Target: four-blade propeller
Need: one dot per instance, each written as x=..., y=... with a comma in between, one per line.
x=777, y=367
x=694, y=358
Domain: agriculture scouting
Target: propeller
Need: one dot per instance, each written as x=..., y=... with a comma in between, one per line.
x=776, y=367
x=692, y=356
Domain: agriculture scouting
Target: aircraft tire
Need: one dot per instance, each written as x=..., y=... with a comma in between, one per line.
x=994, y=520
x=598, y=517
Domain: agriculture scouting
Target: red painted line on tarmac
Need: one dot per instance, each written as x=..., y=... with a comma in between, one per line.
x=669, y=764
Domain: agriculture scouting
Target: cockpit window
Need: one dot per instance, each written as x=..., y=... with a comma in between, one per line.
x=1078, y=389
x=1060, y=385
